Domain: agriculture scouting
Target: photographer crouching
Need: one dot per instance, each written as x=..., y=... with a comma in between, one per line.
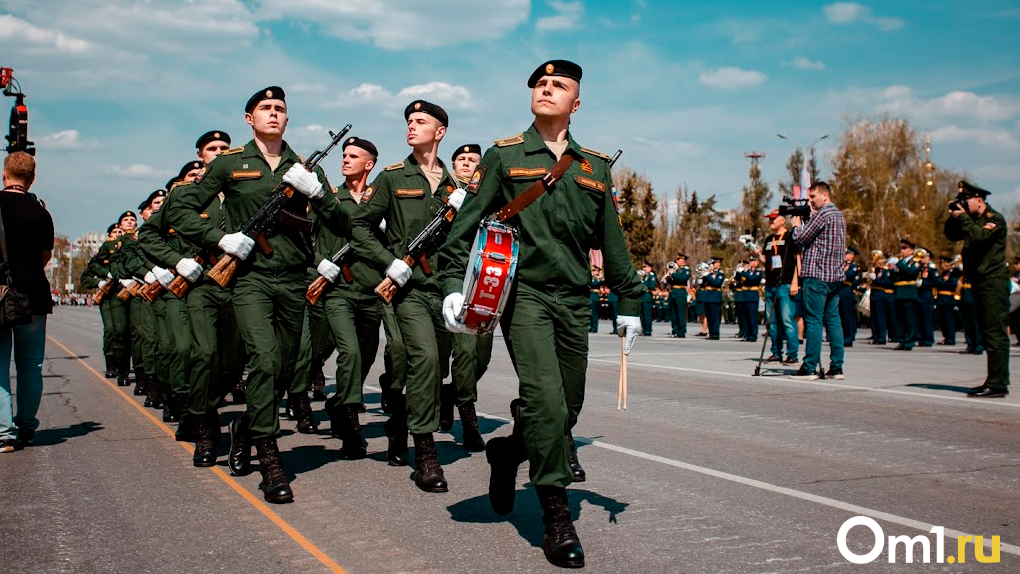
x=822, y=239
x=983, y=232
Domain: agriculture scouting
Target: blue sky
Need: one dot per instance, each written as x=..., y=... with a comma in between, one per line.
x=119, y=90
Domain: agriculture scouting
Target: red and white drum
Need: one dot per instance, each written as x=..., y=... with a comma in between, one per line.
x=489, y=277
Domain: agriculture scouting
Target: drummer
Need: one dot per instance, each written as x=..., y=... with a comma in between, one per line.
x=548, y=315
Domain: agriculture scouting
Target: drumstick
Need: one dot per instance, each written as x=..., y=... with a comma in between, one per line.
x=624, y=369
x=621, y=389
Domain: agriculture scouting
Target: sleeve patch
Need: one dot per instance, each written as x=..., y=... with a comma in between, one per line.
x=246, y=174
x=369, y=192
x=476, y=179
x=199, y=177
x=591, y=183
x=526, y=171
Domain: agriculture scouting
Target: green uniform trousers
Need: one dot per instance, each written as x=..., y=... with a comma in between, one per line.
x=678, y=311
x=394, y=354
x=354, y=322
x=991, y=303
x=233, y=355
x=316, y=346
x=906, y=322
x=550, y=347
x=419, y=315
x=646, y=313
x=106, y=316
x=174, y=342
x=269, y=310
x=471, y=355
x=207, y=304
x=145, y=336
x=118, y=329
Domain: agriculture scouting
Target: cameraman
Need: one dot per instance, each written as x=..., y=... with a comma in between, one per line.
x=822, y=238
x=983, y=232
x=780, y=282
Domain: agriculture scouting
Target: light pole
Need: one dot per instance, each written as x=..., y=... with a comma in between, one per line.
x=805, y=177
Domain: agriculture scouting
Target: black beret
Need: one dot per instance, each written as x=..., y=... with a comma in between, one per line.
x=170, y=182
x=270, y=93
x=555, y=68
x=681, y=256
x=191, y=165
x=363, y=144
x=968, y=190
x=144, y=204
x=112, y=226
x=127, y=213
x=152, y=196
x=907, y=242
x=212, y=136
x=853, y=250
x=468, y=148
x=427, y=108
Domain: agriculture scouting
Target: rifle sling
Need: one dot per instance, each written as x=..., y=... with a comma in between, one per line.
x=538, y=188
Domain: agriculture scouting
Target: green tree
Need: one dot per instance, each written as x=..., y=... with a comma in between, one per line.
x=754, y=203
x=638, y=207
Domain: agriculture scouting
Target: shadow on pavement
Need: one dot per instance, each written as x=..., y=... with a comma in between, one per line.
x=52, y=436
x=954, y=388
x=306, y=458
x=527, y=514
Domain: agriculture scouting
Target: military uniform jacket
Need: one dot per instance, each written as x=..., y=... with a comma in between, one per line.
x=905, y=279
x=882, y=286
x=748, y=286
x=946, y=284
x=558, y=230
x=678, y=282
x=402, y=196
x=929, y=284
x=851, y=279
x=97, y=267
x=246, y=181
x=984, y=244
x=327, y=244
x=649, y=281
x=122, y=260
x=711, y=287
x=160, y=240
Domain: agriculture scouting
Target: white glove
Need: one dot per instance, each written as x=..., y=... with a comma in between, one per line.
x=628, y=326
x=328, y=270
x=189, y=269
x=150, y=277
x=382, y=225
x=237, y=244
x=452, y=306
x=127, y=282
x=103, y=283
x=871, y=276
x=164, y=276
x=892, y=260
x=457, y=198
x=304, y=181
x=399, y=272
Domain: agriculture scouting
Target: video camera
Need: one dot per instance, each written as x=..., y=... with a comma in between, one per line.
x=17, y=135
x=798, y=207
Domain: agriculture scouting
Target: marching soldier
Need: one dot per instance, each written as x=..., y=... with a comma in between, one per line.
x=847, y=297
x=983, y=231
x=905, y=284
x=268, y=294
x=710, y=293
x=945, y=301
x=550, y=305
x=647, y=300
x=678, y=282
x=95, y=275
x=926, y=301
x=128, y=223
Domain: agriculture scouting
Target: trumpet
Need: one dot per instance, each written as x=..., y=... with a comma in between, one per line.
x=920, y=255
x=703, y=269
x=672, y=266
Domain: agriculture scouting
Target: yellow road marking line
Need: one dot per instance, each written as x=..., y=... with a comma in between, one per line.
x=259, y=505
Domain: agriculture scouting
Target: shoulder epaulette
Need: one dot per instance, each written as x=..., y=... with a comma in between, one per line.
x=232, y=151
x=517, y=139
x=394, y=166
x=597, y=154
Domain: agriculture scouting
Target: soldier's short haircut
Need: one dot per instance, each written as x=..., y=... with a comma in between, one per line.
x=21, y=167
x=822, y=186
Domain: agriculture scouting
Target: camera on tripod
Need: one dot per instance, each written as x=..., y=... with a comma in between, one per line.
x=791, y=207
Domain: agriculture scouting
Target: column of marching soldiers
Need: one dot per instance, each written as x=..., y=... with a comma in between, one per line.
x=904, y=299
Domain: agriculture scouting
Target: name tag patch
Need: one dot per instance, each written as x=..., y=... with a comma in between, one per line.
x=526, y=171
x=410, y=192
x=246, y=174
x=591, y=183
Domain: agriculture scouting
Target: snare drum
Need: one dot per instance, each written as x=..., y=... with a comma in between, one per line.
x=489, y=277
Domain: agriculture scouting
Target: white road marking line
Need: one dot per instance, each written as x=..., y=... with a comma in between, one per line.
x=769, y=379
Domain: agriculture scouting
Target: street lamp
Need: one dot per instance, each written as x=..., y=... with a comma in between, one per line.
x=805, y=177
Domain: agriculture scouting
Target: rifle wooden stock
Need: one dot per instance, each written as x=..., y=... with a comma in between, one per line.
x=151, y=291
x=103, y=292
x=124, y=294
x=316, y=289
x=387, y=288
x=179, y=286
x=224, y=270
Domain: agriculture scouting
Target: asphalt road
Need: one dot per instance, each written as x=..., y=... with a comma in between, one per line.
x=708, y=470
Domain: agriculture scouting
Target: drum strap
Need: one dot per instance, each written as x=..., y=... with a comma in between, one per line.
x=538, y=188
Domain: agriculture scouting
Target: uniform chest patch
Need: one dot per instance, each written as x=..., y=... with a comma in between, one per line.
x=586, y=165
x=526, y=171
x=476, y=179
x=409, y=192
x=246, y=174
x=591, y=183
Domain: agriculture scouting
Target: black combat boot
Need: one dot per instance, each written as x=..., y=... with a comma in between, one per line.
x=140, y=379
x=239, y=458
x=275, y=486
x=428, y=475
x=124, y=373
x=318, y=385
x=575, y=466
x=396, y=429
x=173, y=404
x=560, y=543
x=111, y=367
x=207, y=433
x=473, y=441
x=505, y=455
x=238, y=396
x=151, y=390
x=302, y=407
x=187, y=428
x=337, y=416
x=447, y=396
x=384, y=383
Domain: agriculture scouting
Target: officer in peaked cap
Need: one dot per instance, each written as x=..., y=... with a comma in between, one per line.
x=677, y=298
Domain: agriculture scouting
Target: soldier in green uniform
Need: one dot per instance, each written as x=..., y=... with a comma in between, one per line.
x=983, y=232
x=649, y=280
x=408, y=195
x=710, y=293
x=94, y=276
x=905, y=282
x=268, y=294
x=549, y=308
x=471, y=353
x=595, y=287
x=143, y=318
x=678, y=280
x=128, y=223
x=352, y=308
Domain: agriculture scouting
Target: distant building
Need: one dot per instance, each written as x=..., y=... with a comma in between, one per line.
x=88, y=243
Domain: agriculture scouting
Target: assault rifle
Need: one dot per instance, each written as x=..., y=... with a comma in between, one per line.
x=426, y=243
x=129, y=292
x=104, y=291
x=616, y=156
x=318, y=286
x=271, y=213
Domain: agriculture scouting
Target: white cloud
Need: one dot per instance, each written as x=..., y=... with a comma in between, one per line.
x=989, y=137
x=64, y=140
x=568, y=14
x=138, y=171
x=806, y=64
x=843, y=13
x=958, y=104
x=731, y=78
x=445, y=94
x=17, y=30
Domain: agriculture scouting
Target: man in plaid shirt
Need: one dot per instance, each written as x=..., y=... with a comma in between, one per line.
x=822, y=238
